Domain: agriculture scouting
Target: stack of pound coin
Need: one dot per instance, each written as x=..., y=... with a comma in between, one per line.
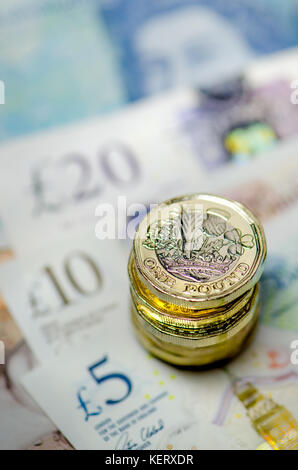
x=194, y=271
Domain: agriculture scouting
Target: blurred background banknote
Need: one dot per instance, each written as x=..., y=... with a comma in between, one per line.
x=233, y=132
x=80, y=58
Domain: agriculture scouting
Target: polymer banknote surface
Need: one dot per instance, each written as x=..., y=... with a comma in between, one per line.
x=82, y=58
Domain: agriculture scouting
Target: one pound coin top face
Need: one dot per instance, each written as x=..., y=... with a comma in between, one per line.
x=199, y=250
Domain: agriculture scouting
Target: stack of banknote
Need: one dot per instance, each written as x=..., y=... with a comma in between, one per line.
x=74, y=374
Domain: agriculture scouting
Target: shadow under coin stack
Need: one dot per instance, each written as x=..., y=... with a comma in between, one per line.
x=194, y=271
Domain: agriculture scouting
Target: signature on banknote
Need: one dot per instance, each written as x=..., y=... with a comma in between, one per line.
x=126, y=442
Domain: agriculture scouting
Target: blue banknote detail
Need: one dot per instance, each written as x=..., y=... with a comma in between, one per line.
x=65, y=60
x=163, y=43
x=114, y=403
x=279, y=288
x=57, y=65
x=84, y=403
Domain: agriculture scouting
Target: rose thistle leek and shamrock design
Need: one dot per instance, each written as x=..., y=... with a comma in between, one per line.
x=196, y=246
x=200, y=248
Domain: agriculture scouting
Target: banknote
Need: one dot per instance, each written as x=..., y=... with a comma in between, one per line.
x=58, y=297
x=240, y=122
x=168, y=43
x=65, y=293
x=47, y=84
x=22, y=422
x=53, y=441
x=123, y=400
x=79, y=58
x=265, y=371
x=238, y=119
x=280, y=277
x=10, y=334
x=267, y=185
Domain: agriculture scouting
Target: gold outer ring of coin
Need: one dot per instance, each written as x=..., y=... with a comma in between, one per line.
x=179, y=317
x=176, y=349
x=243, y=232
x=199, y=333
